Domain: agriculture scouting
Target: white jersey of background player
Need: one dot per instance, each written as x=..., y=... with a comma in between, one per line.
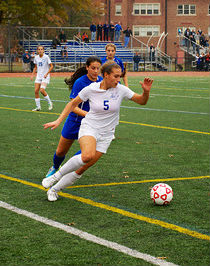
x=98, y=126
x=43, y=67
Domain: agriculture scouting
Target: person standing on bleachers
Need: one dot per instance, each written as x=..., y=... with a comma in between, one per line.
x=93, y=31
x=118, y=30
x=111, y=30
x=128, y=33
x=99, y=31
x=106, y=31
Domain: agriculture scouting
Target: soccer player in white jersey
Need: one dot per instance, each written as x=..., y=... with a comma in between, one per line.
x=98, y=126
x=43, y=67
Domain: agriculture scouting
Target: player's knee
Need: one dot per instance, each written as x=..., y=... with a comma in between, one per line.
x=87, y=157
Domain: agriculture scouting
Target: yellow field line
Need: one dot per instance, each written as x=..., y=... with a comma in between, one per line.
x=123, y=122
x=170, y=128
x=141, y=181
x=117, y=210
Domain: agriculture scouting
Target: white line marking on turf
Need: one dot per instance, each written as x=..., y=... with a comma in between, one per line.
x=89, y=237
x=128, y=107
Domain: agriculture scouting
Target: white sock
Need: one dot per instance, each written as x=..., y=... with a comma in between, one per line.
x=71, y=165
x=47, y=98
x=66, y=180
x=37, y=101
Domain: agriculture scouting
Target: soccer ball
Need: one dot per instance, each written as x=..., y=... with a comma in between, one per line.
x=161, y=194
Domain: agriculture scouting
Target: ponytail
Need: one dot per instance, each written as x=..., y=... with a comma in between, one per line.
x=77, y=74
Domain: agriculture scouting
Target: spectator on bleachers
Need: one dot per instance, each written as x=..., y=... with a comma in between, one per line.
x=64, y=52
x=152, y=52
x=93, y=31
x=192, y=40
x=99, y=31
x=136, y=60
x=187, y=38
x=111, y=30
x=106, y=31
x=118, y=30
x=26, y=61
x=62, y=37
x=85, y=37
x=128, y=33
x=55, y=42
x=207, y=61
x=78, y=37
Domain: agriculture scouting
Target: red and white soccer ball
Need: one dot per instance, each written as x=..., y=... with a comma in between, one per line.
x=161, y=194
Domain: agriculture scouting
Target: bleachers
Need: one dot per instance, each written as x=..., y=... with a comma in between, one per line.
x=78, y=52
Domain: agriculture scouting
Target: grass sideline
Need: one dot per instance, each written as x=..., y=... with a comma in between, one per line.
x=147, y=147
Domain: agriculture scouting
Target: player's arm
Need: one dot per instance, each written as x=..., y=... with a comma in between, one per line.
x=124, y=74
x=34, y=71
x=50, y=69
x=68, y=109
x=144, y=97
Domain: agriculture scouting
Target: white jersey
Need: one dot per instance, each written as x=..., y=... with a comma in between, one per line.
x=42, y=65
x=104, y=105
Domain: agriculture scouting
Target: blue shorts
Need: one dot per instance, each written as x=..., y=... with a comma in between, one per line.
x=70, y=129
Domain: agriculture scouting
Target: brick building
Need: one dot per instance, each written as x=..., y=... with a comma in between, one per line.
x=149, y=19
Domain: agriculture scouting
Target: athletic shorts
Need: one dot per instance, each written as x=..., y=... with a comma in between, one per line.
x=103, y=139
x=70, y=129
x=42, y=80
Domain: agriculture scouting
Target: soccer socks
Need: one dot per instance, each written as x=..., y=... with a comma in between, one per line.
x=66, y=180
x=71, y=165
x=57, y=161
x=48, y=99
x=37, y=101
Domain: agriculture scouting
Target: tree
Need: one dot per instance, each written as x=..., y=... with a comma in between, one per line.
x=40, y=12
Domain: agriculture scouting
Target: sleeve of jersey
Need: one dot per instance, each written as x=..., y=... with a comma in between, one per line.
x=48, y=60
x=77, y=87
x=84, y=94
x=128, y=93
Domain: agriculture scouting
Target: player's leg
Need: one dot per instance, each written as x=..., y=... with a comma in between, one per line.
x=71, y=178
x=37, y=98
x=46, y=96
x=62, y=149
x=88, y=148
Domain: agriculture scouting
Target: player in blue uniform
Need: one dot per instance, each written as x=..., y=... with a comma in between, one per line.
x=110, y=55
x=80, y=79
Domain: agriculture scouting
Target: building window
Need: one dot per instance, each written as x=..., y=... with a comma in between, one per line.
x=146, y=9
x=118, y=10
x=186, y=10
x=146, y=31
x=209, y=9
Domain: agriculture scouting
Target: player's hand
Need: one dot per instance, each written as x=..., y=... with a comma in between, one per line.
x=31, y=78
x=45, y=76
x=147, y=84
x=52, y=125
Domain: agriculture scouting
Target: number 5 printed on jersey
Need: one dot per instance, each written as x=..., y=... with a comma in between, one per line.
x=106, y=105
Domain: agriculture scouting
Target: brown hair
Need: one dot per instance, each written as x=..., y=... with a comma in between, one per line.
x=108, y=66
x=111, y=45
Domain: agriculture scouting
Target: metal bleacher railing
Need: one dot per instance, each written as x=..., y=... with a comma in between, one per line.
x=159, y=61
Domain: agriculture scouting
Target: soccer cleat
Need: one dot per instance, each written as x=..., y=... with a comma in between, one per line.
x=51, y=171
x=48, y=181
x=36, y=109
x=50, y=106
x=52, y=195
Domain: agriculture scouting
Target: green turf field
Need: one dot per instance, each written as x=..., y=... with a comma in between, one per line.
x=166, y=140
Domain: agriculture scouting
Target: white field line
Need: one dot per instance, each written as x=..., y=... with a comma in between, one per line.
x=87, y=236
x=126, y=107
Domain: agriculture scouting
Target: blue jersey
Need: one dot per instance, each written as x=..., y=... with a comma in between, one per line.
x=73, y=121
x=116, y=59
